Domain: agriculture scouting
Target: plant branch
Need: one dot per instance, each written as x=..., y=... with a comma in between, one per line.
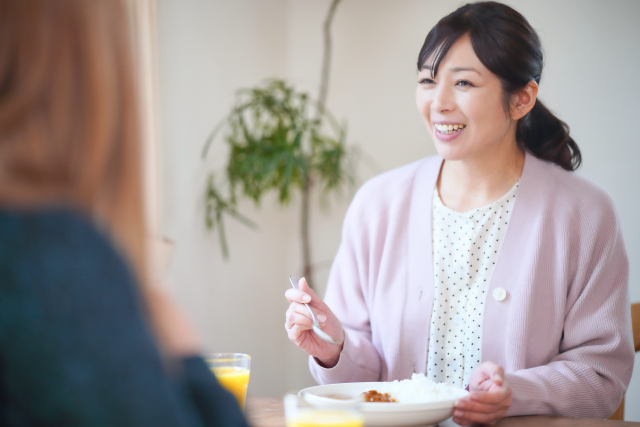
x=306, y=245
x=322, y=100
x=212, y=136
x=326, y=57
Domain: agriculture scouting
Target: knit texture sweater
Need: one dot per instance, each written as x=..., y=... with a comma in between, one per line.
x=74, y=346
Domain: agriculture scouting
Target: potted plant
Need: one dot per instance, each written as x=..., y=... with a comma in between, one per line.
x=283, y=140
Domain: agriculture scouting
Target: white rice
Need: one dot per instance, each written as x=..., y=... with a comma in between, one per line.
x=418, y=389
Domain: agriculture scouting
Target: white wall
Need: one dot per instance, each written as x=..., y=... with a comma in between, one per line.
x=210, y=48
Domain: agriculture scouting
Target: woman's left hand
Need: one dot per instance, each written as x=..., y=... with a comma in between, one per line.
x=489, y=397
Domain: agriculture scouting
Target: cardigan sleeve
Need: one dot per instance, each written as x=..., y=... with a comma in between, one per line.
x=346, y=296
x=596, y=355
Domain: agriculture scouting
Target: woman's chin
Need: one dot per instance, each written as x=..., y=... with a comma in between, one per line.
x=451, y=152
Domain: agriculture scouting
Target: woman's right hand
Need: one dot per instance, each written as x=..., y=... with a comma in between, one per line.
x=298, y=325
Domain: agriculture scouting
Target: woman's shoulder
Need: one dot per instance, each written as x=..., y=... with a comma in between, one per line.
x=38, y=245
x=31, y=225
x=574, y=183
x=575, y=198
x=31, y=232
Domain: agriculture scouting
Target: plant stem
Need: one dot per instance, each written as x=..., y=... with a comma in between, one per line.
x=306, y=246
x=326, y=57
x=322, y=99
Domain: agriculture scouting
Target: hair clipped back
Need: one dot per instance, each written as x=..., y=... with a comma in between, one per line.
x=509, y=47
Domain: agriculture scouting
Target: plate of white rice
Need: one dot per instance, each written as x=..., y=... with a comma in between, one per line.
x=418, y=401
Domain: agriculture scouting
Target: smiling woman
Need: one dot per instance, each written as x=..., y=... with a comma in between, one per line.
x=491, y=266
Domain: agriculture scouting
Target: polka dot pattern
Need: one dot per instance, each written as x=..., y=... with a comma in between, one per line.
x=465, y=250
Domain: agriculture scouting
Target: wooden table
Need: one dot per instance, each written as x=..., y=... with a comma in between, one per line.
x=269, y=412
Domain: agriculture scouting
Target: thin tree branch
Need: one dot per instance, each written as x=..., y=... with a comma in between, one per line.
x=326, y=57
x=322, y=99
x=306, y=243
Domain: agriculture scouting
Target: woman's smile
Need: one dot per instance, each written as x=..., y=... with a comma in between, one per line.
x=447, y=132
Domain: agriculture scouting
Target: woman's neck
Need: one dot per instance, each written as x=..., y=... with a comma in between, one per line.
x=472, y=183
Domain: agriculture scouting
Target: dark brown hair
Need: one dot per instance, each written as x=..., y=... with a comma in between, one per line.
x=509, y=47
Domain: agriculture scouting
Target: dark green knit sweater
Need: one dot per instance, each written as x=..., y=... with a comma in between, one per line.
x=74, y=346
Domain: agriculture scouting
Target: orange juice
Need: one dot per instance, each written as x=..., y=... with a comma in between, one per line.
x=325, y=418
x=235, y=380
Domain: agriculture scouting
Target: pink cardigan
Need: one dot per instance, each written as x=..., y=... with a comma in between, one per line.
x=562, y=334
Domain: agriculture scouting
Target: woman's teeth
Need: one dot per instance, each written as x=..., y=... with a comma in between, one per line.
x=445, y=129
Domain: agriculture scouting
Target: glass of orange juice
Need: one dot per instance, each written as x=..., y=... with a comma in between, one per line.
x=232, y=371
x=299, y=413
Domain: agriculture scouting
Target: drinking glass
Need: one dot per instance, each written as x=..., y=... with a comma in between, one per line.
x=299, y=413
x=232, y=371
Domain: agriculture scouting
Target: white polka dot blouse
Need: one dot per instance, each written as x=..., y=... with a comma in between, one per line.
x=465, y=250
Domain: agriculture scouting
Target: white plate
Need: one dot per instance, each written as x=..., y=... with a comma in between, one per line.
x=383, y=414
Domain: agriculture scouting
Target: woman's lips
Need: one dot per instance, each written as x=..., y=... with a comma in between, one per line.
x=449, y=136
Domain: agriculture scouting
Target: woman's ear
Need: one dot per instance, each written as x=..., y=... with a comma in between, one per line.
x=524, y=101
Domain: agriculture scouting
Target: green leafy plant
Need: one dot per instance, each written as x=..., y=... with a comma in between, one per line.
x=277, y=141
x=282, y=140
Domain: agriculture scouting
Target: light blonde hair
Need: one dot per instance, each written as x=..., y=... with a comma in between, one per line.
x=69, y=130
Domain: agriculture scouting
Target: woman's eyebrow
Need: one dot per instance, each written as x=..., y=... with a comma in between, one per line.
x=453, y=70
x=456, y=69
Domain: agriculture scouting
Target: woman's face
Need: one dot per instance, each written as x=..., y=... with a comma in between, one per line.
x=467, y=96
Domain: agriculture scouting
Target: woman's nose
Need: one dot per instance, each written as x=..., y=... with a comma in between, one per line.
x=443, y=100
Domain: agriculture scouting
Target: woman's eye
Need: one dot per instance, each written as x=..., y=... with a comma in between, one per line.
x=425, y=81
x=465, y=83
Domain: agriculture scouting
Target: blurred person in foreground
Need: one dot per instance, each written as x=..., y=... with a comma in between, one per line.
x=85, y=340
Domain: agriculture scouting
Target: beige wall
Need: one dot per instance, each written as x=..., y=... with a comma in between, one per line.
x=210, y=48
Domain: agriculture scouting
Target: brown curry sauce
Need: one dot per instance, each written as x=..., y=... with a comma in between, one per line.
x=375, y=396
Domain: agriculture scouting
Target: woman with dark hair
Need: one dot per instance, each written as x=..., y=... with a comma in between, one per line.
x=490, y=266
